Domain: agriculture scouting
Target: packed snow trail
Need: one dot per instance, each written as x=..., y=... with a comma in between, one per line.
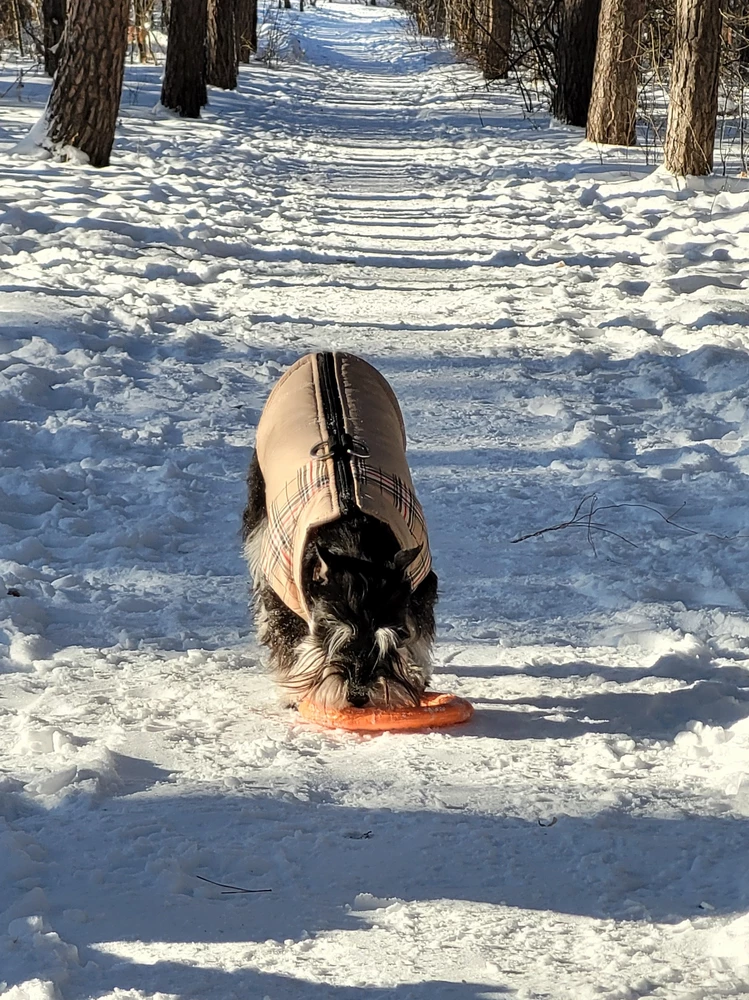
x=557, y=324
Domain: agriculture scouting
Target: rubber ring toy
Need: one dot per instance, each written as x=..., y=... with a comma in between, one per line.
x=435, y=710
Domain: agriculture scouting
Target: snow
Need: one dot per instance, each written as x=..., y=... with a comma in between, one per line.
x=558, y=322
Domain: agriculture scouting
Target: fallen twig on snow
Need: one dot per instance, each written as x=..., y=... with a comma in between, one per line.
x=589, y=508
x=228, y=889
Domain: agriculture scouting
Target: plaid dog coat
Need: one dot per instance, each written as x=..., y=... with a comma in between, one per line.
x=298, y=456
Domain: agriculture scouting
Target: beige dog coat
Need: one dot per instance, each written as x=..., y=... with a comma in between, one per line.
x=331, y=439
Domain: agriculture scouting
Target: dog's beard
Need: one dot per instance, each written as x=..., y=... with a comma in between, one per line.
x=314, y=674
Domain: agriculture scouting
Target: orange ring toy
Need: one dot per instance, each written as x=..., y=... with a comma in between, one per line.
x=435, y=710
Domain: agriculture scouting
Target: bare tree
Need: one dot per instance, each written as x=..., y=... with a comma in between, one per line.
x=428, y=16
x=53, y=25
x=184, y=89
x=575, y=59
x=85, y=97
x=19, y=20
x=247, y=29
x=613, y=104
x=497, y=43
x=693, y=100
x=223, y=44
x=142, y=21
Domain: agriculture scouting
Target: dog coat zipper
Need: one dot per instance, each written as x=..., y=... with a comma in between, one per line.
x=337, y=446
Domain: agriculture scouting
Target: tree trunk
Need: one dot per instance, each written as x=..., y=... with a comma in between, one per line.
x=693, y=101
x=53, y=19
x=85, y=97
x=421, y=16
x=612, y=115
x=142, y=18
x=184, y=89
x=497, y=52
x=468, y=26
x=12, y=17
x=439, y=19
x=575, y=58
x=223, y=44
x=247, y=29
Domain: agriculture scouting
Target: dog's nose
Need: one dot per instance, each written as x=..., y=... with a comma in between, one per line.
x=358, y=698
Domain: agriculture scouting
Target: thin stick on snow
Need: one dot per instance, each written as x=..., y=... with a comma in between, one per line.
x=228, y=889
x=588, y=508
x=580, y=519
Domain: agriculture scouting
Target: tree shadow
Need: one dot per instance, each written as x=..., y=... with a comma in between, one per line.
x=252, y=984
x=671, y=665
x=659, y=715
x=713, y=694
x=133, y=868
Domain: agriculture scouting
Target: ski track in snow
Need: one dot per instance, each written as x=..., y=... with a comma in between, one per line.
x=557, y=323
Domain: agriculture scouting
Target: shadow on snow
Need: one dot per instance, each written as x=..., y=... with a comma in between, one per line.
x=317, y=857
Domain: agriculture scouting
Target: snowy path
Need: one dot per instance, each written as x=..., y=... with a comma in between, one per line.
x=555, y=326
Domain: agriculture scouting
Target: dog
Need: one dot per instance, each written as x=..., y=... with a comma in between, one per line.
x=335, y=538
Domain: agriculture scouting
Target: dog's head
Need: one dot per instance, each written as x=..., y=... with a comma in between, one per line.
x=359, y=630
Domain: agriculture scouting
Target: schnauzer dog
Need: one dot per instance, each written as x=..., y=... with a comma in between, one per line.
x=344, y=592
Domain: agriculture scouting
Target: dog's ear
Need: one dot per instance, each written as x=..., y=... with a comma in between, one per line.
x=405, y=557
x=321, y=572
